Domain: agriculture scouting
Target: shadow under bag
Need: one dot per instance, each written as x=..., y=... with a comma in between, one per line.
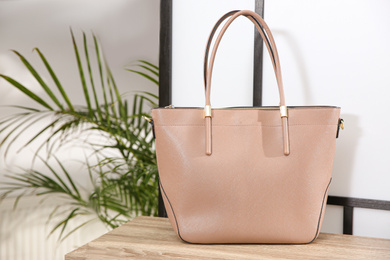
x=245, y=174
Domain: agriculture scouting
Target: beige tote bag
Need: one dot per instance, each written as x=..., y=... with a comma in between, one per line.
x=246, y=174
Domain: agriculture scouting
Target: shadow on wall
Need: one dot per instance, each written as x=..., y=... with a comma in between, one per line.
x=346, y=147
x=297, y=56
x=347, y=144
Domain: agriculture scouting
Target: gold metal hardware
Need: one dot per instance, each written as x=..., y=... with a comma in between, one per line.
x=170, y=106
x=207, y=111
x=342, y=124
x=283, y=111
x=147, y=119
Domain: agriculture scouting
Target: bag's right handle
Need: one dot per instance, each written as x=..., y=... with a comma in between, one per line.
x=259, y=22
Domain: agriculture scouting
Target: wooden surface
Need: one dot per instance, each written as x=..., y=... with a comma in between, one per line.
x=154, y=238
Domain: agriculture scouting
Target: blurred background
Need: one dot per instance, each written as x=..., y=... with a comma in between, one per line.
x=128, y=30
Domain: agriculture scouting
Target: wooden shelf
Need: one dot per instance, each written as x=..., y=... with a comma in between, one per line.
x=154, y=238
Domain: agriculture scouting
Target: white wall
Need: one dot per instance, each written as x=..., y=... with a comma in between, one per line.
x=332, y=53
x=192, y=23
x=128, y=31
x=337, y=53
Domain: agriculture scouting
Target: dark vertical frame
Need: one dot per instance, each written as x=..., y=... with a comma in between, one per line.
x=165, y=61
x=165, y=73
x=258, y=60
x=165, y=64
x=348, y=220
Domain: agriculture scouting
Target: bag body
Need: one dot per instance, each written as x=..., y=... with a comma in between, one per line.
x=249, y=174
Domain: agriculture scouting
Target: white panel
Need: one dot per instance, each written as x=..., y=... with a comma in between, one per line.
x=333, y=220
x=333, y=54
x=233, y=73
x=368, y=222
x=337, y=53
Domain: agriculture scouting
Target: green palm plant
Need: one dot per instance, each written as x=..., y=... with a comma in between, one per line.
x=121, y=164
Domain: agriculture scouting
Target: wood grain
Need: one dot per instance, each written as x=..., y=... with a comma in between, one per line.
x=154, y=238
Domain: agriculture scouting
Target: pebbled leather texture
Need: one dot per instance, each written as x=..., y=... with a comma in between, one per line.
x=227, y=179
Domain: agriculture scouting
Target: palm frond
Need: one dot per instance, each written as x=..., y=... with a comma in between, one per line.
x=55, y=79
x=82, y=76
x=41, y=82
x=27, y=92
x=148, y=67
x=88, y=60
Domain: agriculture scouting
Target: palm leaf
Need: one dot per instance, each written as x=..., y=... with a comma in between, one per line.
x=24, y=108
x=144, y=75
x=150, y=69
x=149, y=64
x=26, y=91
x=91, y=78
x=25, y=121
x=65, y=222
x=55, y=79
x=82, y=76
x=101, y=75
x=75, y=229
x=40, y=80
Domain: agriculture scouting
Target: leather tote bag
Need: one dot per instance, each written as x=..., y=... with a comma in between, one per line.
x=245, y=174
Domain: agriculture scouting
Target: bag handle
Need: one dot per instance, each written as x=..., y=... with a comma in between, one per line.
x=268, y=38
x=211, y=36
